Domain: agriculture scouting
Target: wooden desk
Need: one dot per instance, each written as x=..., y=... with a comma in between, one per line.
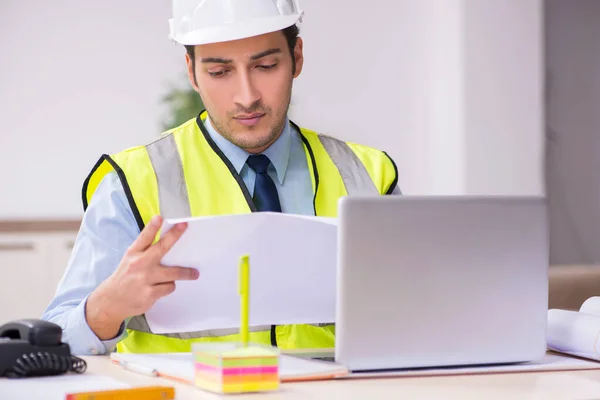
x=547, y=385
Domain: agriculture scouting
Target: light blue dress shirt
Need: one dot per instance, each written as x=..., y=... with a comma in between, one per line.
x=108, y=228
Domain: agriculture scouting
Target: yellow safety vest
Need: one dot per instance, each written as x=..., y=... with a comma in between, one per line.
x=184, y=174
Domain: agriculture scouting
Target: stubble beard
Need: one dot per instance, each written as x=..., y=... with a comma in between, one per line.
x=253, y=138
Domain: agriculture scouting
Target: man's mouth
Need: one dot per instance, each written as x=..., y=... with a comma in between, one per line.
x=249, y=119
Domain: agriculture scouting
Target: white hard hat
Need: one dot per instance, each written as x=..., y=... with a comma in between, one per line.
x=209, y=21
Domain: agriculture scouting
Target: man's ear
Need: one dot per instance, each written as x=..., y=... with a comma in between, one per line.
x=191, y=71
x=299, y=56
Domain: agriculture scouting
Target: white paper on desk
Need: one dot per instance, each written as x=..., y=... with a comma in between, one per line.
x=181, y=365
x=292, y=272
x=56, y=387
x=575, y=333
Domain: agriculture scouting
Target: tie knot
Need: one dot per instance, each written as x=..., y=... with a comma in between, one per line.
x=259, y=163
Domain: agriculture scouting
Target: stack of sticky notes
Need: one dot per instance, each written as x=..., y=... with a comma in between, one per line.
x=231, y=368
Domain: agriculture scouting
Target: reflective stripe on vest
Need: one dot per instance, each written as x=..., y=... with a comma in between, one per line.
x=354, y=174
x=139, y=323
x=172, y=191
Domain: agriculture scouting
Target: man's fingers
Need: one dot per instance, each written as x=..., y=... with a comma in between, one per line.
x=163, y=289
x=146, y=237
x=164, y=274
x=160, y=248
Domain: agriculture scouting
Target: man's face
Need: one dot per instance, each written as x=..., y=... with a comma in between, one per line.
x=246, y=87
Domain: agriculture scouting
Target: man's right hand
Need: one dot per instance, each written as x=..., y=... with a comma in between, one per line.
x=138, y=282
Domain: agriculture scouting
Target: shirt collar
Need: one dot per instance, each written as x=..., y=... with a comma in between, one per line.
x=278, y=152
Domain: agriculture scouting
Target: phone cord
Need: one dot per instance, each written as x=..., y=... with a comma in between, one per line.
x=44, y=363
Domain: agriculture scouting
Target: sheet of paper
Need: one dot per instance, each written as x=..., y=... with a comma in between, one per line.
x=574, y=333
x=550, y=362
x=288, y=253
x=56, y=387
x=302, y=367
x=181, y=365
x=175, y=365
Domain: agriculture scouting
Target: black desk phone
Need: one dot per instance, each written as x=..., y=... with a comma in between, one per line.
x=31, y=347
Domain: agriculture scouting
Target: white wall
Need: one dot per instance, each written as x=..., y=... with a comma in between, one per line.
x=573, y=128
x=366, y=79
x=77, y=79
x=503, y=97
x=407, y=77
x=451, y=89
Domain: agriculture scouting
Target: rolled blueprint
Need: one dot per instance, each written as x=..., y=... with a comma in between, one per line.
x=591, y=306
x=574, y=333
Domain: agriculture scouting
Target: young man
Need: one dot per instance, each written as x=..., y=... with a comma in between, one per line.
x=240, y=155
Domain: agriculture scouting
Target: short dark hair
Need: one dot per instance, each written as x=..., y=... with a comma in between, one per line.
x=291, y=35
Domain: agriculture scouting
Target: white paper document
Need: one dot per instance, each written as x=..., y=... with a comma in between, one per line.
x=181, y=365
x=576, y=332
x=56, y=387
x=288, y=254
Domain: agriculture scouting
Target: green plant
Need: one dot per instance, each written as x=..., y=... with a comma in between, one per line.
x=182, y=104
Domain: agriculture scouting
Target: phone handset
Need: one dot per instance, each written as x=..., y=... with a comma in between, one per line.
x=31, y=347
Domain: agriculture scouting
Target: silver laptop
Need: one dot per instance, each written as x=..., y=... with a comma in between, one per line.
x=441, y=281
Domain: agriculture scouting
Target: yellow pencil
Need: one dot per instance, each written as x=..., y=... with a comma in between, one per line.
x=244, y=289
x=146, y=393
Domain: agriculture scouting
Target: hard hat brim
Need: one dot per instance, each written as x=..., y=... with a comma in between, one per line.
x=236, y=31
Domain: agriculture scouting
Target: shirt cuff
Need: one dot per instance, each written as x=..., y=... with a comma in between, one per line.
x=82, y=340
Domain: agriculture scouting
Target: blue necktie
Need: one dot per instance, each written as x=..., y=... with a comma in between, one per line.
x=265, y=198
x=265, y=193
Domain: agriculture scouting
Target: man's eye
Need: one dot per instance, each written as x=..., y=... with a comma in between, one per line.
x=267, y=66
x=217, y=74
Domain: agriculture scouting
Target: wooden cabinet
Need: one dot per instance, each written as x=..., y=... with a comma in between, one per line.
x=31, y=266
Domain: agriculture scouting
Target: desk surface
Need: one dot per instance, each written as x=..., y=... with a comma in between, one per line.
x=543, y=385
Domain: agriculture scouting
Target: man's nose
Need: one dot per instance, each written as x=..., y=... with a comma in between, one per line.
x=247, y=94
